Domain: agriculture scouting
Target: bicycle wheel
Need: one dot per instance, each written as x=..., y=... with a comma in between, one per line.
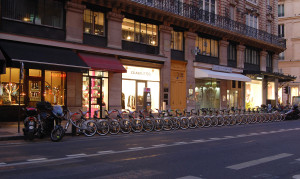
x=137, y=125
x=126, y=126
x=208, y=121
x=148, y=125
x=201, y=121
x=220, y=121
x=158, y=124
x=232, y=120
x=114, y=127
x=175, y=123
x=91, y=129
x=57, y=133
x=193, y=123
x=184, y=123
x=227, y=120
x=102, y=127
x=214, y=121
x=238, y=119
x=167, y=124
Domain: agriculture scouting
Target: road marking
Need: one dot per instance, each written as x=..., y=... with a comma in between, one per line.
x=180, y=143
x=36, y=159
x=76, y=155
x=136, y=148
x=242, y=135
x=253, y=134
x=258, y=161
x=160, y=145
x=189, y=177
x=2, y=163
x=229, y=137
x=215, y=138
x=199, y=140
x=264, y=132
x=106, y=152
x=296, y=177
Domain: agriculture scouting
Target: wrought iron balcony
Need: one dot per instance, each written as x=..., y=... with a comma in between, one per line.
x=195, y=13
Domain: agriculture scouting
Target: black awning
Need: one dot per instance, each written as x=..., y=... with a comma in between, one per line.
x=281, y=77
x=41, y=55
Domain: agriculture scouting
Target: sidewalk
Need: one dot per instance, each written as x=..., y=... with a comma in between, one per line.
x=9, y=131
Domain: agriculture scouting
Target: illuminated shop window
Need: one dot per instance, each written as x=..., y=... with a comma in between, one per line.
x=10, y=87
x=55, y=85
x=253, y=94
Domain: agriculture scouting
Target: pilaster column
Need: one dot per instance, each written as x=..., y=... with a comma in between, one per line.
x=276, y=90
x=114, y=32
x=263, y=61
x=240, y=56
x=264, y=90
x=74, y=22
x=223, y=52
x=189, y=56
x=165, y=50
x=275, y=63
x=114, y=90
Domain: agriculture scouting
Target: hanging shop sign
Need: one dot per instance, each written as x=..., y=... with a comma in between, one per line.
x=141, y=73
x=222, y=68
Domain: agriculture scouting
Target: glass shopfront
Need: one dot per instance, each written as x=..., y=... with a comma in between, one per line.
x=271, y=90
x=207, y=93
x=95, y=92
x=42, y=85
x=253, y=94
x=10, y=87
x=140, y=86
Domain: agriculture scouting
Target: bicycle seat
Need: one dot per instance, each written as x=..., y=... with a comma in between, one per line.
x=83, y=112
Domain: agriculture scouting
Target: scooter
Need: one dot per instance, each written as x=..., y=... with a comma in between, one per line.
x=30, y=123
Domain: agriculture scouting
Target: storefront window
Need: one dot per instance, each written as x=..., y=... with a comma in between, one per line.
x=294, y=92
x=207, y=94
x=55, y=85
x=139, y=32
x=10, y=87
x=136, y=83
x=271, y=90
x=232, y=98
x=35, y=73
x=95, y=92
x=280, y=95
x=253, y=94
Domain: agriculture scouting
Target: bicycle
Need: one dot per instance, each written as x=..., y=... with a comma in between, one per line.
x=167, y=122
x=137, y=123
x=114, y=125
x=125, y=124
x=148, y=122
x=184, y=121
x=102, y=124
x=192, y=117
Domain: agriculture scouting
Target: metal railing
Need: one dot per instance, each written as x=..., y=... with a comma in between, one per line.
x=196, y=13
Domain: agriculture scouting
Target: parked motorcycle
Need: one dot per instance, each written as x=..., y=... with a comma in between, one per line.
x=46, y=123
x=30, y=123
x=57, y=115
x=293, y=113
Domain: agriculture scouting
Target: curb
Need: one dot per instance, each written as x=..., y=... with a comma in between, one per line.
x=21, y=137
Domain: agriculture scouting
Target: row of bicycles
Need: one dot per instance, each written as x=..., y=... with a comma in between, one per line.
x=116, y=121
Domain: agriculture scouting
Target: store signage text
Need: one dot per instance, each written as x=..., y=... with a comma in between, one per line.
x=222, y=68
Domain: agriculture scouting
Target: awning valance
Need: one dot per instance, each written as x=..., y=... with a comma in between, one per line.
x=41, y=54
x=105, y=63
x=201, y=73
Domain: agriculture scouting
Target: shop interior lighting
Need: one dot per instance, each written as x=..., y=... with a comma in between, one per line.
x=259, y=78
x=128, y=38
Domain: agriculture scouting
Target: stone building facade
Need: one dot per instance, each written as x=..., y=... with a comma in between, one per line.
x=137, y=54
x=289, y=60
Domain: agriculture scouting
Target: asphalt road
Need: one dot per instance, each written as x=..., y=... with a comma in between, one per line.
x=256, y=151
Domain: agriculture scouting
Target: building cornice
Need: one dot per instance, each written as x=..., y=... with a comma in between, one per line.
x=210, y=66
x=81, y=47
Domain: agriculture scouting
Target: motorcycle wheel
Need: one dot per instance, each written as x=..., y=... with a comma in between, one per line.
x=57, y=134
x=30, y=135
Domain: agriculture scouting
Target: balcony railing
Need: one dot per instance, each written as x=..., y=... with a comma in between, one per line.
x=195, y=13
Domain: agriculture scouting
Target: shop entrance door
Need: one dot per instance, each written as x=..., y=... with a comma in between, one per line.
x=34, y=90
x=140, y=94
